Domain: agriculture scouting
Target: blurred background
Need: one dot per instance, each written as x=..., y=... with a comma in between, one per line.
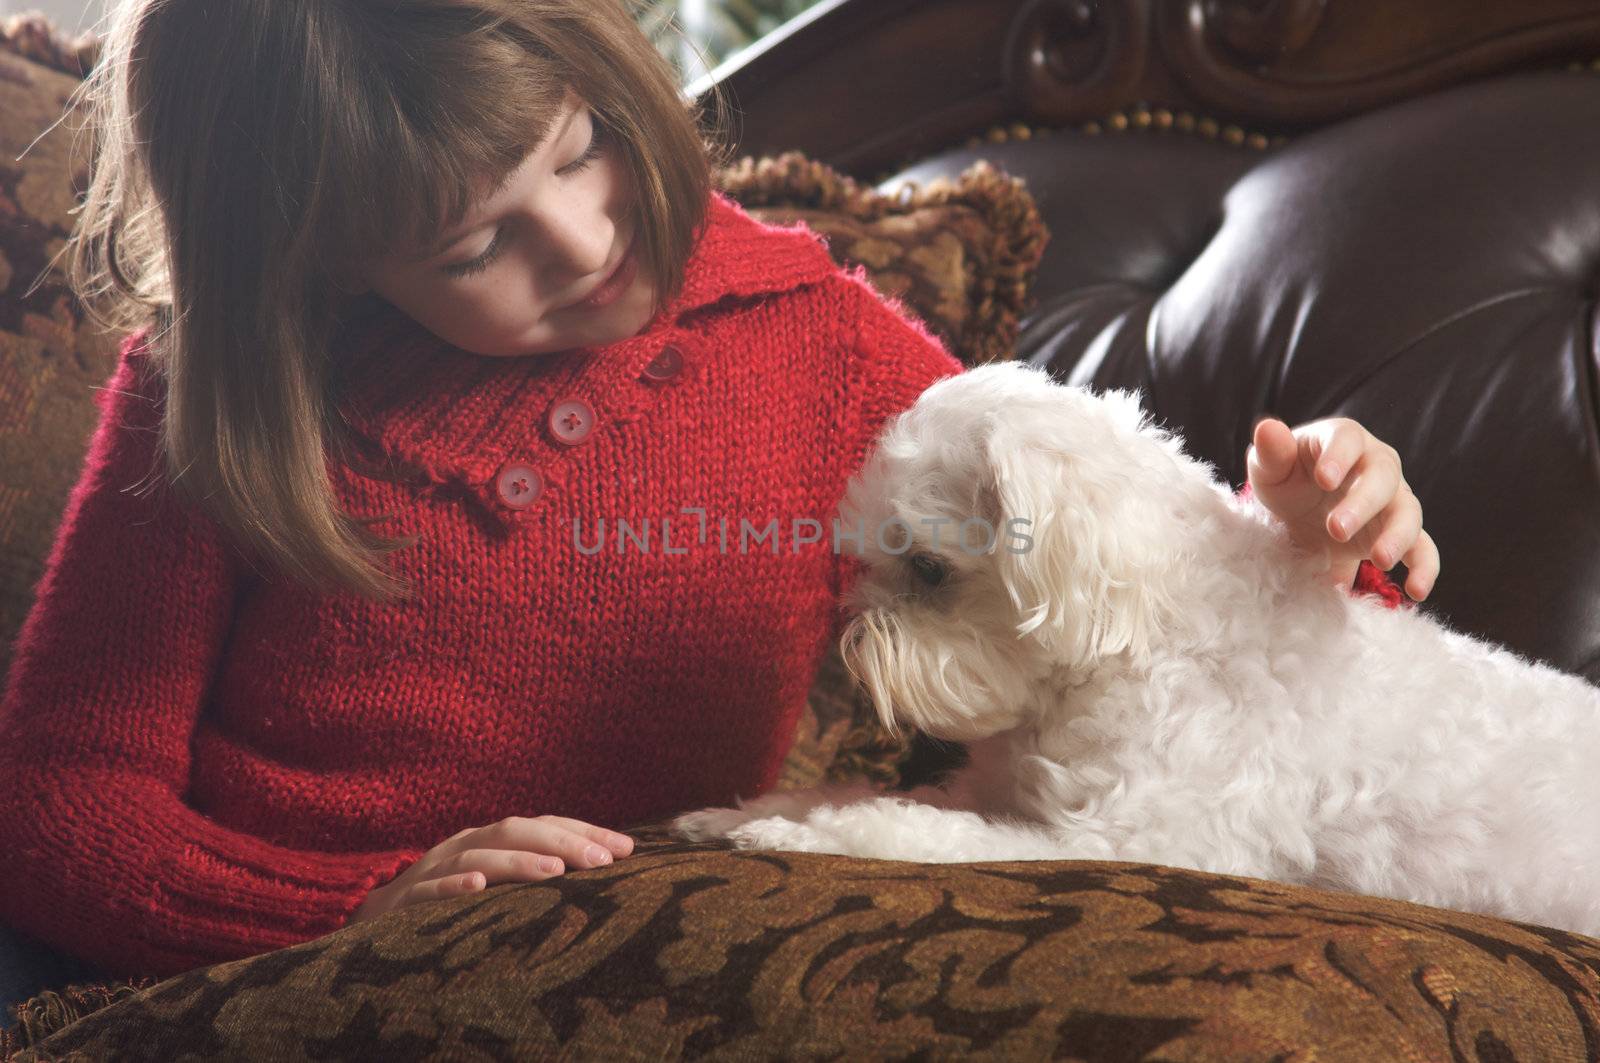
x=73, y=16
x=698, y=34
x=695, y=35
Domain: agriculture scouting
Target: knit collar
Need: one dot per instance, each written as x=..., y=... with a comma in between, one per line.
x=462, y=419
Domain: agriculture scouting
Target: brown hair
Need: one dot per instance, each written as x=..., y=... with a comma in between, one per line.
x=242, y=150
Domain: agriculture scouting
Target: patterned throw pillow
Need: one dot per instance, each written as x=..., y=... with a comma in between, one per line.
x=51, y=359
x=692, y=950
x=961, y=254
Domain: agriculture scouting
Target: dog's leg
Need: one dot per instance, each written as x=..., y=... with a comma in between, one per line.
x=797, y=804
x=789, y=804
x=893, y=827
x=899, y=827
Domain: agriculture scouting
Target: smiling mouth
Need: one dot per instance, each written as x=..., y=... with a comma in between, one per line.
x=603, y=288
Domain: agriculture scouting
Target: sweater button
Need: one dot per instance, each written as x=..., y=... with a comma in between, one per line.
x=571, y=421
x=519, y=485
x=667, y=364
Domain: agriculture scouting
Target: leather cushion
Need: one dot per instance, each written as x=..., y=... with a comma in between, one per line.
x=1429, y=269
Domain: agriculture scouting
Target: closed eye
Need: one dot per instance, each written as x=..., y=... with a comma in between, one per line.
x=597, y=135
x=481, y=263
x=496, y=245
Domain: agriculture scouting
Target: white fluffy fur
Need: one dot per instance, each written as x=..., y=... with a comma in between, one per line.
x=1165, y=677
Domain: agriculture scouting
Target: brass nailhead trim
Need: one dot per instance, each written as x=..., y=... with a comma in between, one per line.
x=1161, y=119
x=1141, y=119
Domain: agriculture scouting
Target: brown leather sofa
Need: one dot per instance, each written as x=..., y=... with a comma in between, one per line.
x=1298, y=207
x=1386, y=212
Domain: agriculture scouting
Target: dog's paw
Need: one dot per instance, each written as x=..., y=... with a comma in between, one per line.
x=753, y=829
x=708, y=823
x=778, y=832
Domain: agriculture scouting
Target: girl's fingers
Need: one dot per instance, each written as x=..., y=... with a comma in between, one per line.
x=435, y=889
x=516, y=849
x=477, y=869
x=540, y=834
x=504, y=865
x=1273, y=449
x=1371, y=490
x=1422, y=567
x=619, y=844
x=549, y=834
x=520, y=849
x=1342, y=574
x=1330, y=461
x=1397, y=531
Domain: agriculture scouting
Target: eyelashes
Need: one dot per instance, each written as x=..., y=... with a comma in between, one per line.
x=496, y=245
x=597, y=136
x=481, y=263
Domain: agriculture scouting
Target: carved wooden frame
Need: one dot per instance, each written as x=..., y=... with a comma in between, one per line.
x=870, y=85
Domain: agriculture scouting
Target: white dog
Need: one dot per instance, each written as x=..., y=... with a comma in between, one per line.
x=1146, y=668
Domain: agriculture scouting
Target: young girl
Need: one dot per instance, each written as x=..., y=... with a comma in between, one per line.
x=450, y=269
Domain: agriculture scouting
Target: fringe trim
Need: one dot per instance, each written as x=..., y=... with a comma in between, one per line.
x=869, y=752
x=1003, y=270
x=53, y=1010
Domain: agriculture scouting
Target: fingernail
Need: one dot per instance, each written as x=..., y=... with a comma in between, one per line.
x=549, y=863
x=597, y=855
x=1341, y=521
x=1330, y=473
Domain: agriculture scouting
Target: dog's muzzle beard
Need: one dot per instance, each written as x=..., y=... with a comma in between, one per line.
x=927, y=685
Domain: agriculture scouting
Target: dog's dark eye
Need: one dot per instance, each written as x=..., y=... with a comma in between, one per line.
x=928, y=570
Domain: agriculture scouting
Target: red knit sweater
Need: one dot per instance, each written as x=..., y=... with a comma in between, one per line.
x=201, y=762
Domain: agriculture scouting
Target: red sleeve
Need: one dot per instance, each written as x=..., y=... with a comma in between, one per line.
x=892, y=359
x=103, y=859
x=1370, y=579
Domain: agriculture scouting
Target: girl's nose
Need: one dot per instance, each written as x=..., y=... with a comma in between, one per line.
x=570, y=245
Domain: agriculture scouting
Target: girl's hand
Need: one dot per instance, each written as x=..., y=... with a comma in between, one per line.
x=1335, y=485
x=516, y=849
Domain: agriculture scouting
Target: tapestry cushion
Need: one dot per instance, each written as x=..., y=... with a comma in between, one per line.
x=51, y=358
x=961, y=253
x=685, y=949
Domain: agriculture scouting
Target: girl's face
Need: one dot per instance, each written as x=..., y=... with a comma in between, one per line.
x=516, y=276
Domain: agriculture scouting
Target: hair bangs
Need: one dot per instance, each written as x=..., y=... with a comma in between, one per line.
x=434, y=137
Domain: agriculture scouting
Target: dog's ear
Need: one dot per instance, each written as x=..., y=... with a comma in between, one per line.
x=1079, y=546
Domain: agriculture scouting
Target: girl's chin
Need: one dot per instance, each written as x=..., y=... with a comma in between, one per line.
x=621, y=320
